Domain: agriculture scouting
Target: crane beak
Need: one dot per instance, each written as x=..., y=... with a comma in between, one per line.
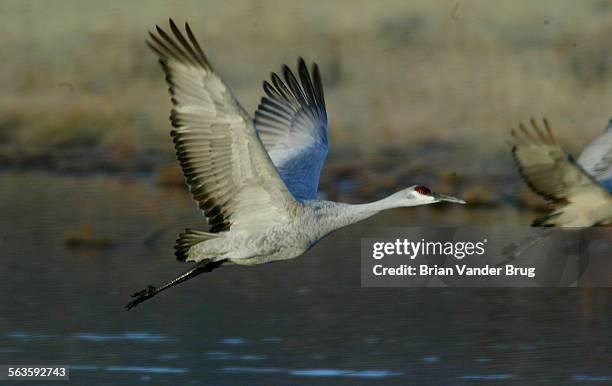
x=444, y=197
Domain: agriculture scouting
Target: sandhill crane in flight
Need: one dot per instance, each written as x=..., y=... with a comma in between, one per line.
x=579, y=191
x=254, y=179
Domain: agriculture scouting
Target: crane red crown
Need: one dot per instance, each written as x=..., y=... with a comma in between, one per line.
x=423, y=190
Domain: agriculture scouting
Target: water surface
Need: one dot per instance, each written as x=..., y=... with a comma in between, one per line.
x=302, y=322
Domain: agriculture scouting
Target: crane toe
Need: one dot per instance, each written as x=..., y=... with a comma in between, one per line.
x=141, y=296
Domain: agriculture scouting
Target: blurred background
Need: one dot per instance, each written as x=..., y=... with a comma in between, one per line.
x=409, y=85
x=417, y=91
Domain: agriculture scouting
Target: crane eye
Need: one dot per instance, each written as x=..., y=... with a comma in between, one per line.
x=423, y=190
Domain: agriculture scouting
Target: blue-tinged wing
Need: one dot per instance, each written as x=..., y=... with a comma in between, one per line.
x=292, y=124
x=596, y=159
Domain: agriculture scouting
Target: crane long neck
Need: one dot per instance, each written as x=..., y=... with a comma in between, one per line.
x=352, y=213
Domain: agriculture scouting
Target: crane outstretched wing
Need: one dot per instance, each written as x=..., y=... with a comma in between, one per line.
x=578, y=199
x=225, y=165
x=292, y=123
x=596, y=159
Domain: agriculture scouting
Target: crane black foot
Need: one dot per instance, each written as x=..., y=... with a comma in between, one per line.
x=141, y=296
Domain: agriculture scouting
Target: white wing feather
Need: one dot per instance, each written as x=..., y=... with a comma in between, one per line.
x=225, y=165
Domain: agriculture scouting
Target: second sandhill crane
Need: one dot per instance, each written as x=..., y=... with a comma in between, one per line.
x=578, y=191
x=254, y=179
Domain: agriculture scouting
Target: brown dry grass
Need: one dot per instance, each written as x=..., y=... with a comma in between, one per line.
x=77, y=73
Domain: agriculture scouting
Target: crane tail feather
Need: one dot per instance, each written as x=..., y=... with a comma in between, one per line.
x=188, y=239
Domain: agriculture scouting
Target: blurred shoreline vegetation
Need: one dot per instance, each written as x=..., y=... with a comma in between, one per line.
x=81, y=91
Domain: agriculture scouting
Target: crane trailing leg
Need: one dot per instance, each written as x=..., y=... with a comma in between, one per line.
x=150, y=291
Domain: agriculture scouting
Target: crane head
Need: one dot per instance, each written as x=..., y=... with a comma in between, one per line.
x=424, y=195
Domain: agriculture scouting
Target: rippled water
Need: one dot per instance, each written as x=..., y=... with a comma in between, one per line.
x=302, y=322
